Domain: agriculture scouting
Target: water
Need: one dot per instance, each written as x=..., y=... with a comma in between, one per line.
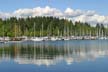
x=58, y=56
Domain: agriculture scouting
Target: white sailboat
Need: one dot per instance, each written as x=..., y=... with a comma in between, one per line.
x=102, y=37
x=37, y=38
x=54, y=38
x=66, y=34
x=4, y=39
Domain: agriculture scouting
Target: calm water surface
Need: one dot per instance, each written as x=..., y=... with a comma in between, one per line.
x=59, y=56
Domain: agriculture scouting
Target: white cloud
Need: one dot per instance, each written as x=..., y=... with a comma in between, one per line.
x=75, y=15
x=4, y=15
x=38, y=11
x=71, y=13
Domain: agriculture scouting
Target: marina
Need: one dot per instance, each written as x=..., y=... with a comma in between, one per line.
x=53, y=36
x=38, y=39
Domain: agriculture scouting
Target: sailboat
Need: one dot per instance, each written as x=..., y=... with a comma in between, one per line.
x=102, y=37
x=50, y=37
x=66, y=33
x=4, y=39
x=16, y=38
x=56, y=38
x=37, y=38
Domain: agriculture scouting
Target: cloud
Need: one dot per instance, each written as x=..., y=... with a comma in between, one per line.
x=71, y=14
x=94, y=19
x=38, y=11
x=4, y=15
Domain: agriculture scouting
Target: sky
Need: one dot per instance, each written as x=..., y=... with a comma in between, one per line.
x=72, y=9
x=99, y=6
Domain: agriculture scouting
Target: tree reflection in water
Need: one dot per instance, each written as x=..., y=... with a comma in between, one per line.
x=52, y=53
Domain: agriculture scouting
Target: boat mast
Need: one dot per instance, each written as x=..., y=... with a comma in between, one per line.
x=3, y=33
x=34, y=29
x=42, y=30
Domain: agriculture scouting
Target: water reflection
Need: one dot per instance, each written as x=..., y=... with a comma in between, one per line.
x=52, y=53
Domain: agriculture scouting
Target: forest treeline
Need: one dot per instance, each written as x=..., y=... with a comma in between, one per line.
x=48, y=26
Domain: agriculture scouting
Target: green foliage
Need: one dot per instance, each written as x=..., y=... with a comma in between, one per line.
x=47, y=26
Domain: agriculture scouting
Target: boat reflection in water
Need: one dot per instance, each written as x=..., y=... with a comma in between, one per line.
x=52, y=53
